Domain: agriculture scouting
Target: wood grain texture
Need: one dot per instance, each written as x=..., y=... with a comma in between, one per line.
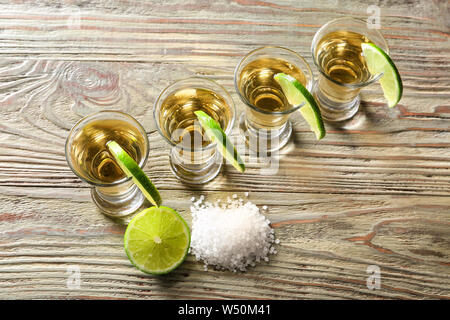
x=373, y=192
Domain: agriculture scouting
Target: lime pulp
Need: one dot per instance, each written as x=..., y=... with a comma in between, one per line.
x=157, y=240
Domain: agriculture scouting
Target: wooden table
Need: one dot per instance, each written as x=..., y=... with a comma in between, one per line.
x=375, y=192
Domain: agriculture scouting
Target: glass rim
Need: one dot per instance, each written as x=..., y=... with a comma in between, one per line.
x=231, y=105
x=141, y=163
x=245, y=100
x=372, y=79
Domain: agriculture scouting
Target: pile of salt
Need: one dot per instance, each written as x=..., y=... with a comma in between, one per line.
x=230, y=236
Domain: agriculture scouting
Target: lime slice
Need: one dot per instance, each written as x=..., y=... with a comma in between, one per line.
x=224, y=145
x=132, y=169
x=379, y=62
x=157, y=240
x=297, y=94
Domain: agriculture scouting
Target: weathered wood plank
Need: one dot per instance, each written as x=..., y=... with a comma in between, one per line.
x=39, y=248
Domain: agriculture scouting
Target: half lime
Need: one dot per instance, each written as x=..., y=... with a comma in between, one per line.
x=297, y=94
x=217, y=135
x=379, y=62
x=132, y=169
x=157, y=240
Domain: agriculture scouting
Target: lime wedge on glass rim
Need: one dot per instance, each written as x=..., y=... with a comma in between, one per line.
x=215, y=133
x=377, y=62
x=157, y=240
x=297, y=94
x=132, y=169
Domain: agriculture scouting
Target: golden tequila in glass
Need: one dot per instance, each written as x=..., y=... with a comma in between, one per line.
x=193, y=157
x=89, y=158
x=265, y=121
x=337, y=53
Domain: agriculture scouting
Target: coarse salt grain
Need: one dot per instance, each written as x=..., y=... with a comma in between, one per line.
x=232, y=236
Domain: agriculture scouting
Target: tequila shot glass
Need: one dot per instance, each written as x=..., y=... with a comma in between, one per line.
x=265, y=121
x=337, y=53
x=88, y=157
x=193, y=157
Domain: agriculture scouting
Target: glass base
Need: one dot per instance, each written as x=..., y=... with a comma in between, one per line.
x=335, y=112
x=199, y=174
x=118, y=206
x=264, y=141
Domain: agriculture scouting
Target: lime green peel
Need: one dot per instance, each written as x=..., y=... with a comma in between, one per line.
x=297, y=94
x=217, y=135
x=379, y=62
x=132, y=169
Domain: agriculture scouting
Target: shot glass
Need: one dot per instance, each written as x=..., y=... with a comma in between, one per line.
x=337, y=53
x=265, y=122
x=193, y=157
x=88, y=157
